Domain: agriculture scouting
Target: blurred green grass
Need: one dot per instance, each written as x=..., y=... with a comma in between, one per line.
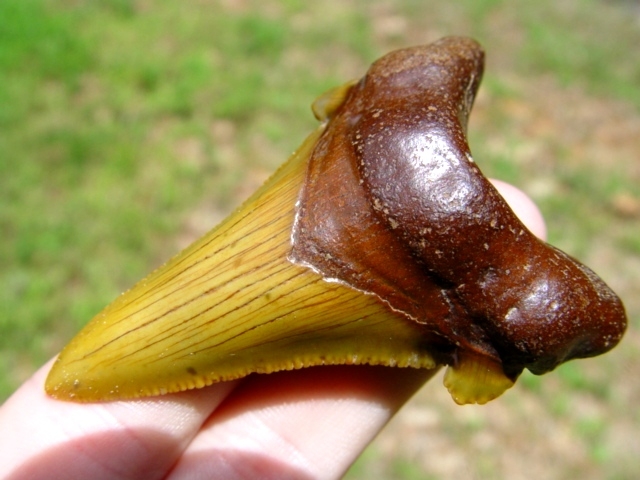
x=120, y=119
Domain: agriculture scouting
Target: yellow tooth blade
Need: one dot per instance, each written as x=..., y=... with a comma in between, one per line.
x=326, y=105
x=229, y=305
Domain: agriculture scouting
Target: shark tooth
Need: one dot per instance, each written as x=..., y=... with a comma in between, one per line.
x=379, y=241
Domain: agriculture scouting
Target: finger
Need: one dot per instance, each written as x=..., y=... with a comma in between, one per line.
x=45, y=438
x=310, y=423
x=523, y=207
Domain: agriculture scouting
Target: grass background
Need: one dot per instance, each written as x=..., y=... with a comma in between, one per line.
x=129, y=128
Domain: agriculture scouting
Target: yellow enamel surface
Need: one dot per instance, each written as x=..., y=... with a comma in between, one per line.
x=476, y=380
x=326, y=104
x=229, y=305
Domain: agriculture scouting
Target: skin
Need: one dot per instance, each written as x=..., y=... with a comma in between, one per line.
x=305, y=424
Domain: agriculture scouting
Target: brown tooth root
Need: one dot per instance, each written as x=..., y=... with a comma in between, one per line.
x=394, y=205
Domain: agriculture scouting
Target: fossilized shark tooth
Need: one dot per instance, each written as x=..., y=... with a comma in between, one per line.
x=379, y=241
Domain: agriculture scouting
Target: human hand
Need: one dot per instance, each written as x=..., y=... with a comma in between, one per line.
x=304, y=424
